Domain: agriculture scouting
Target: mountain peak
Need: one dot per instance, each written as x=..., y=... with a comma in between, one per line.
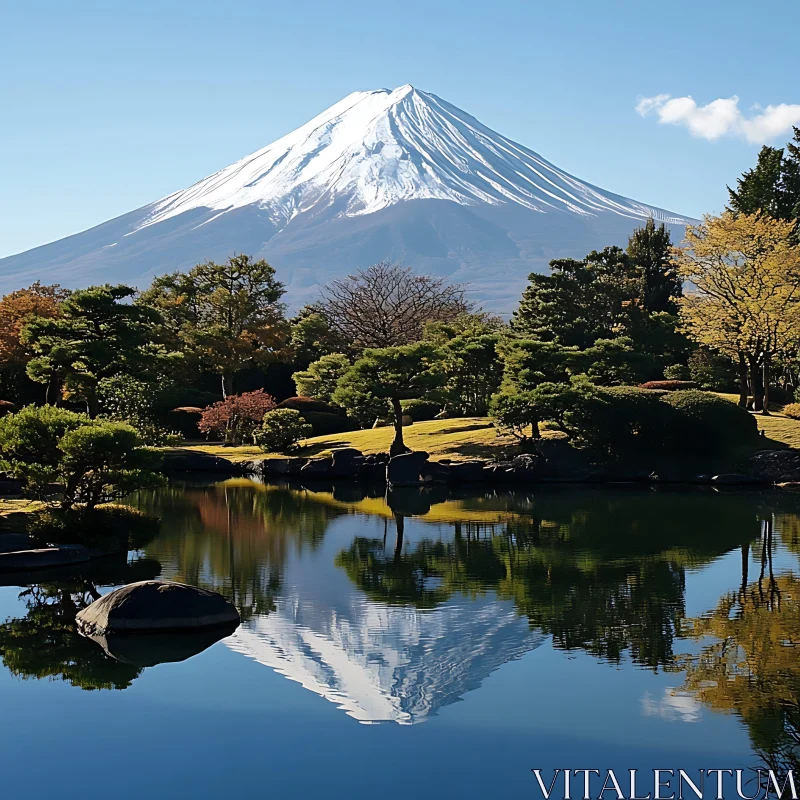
x=388, y=173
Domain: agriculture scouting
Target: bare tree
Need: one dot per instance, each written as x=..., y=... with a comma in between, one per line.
x=387, y=305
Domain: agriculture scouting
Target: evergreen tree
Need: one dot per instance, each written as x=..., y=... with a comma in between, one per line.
x=773, y=185
x=582, y=301
x=650, y=250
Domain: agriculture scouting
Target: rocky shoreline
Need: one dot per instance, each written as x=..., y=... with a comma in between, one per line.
x=553, y=462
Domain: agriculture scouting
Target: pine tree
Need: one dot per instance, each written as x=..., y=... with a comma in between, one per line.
x=650, y=249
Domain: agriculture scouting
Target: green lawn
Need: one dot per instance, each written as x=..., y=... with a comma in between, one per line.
x=777, y=426
x=457, y=439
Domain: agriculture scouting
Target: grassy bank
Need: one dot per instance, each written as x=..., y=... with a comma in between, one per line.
x=461, y=439
x=457, y=439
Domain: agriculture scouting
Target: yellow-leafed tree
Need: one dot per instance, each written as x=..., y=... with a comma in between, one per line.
x=744, y=296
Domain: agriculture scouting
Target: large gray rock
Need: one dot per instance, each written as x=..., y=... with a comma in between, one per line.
x=406, y=469
x=346, y=463
x=467, y=471
x=13, y=542
x=196, y=461
x=152, y=606
x=43, y=558
x=776, y=466
x=285, y=467
x=317, y=468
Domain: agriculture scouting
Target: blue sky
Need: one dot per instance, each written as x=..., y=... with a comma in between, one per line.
x=105, y=107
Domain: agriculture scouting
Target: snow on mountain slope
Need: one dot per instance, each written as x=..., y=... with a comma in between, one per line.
x=375, y=149
x=382, y=174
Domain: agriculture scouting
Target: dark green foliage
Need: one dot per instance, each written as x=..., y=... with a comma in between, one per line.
x=581, y=301
x=391, y=374
x=88, y=461
x=611, y=362
x=124, y=398
x=325, y=424
x=773, y=185
x=98, y=335
x=625, y=421
x=712, y=371
x=650, y=250
x=322, y=376
x=710, y=424
x=305, y=404
x=111, y=527
x=472, y=371
x=677, y=372
x=282, y=430
x=529, y=362
x=669, y=386
x=420, y=410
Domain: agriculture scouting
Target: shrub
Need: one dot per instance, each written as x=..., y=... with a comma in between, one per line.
x=305, y=404
x=281, y=430
x=236, y=418
x=110, y=527
x=420, y=410
x=669, y=386
x=712, y=371
x=709, y=424
x=677, y=372
x=323, y=424
x=792, y=410
x=29, y=441
x=86, y=461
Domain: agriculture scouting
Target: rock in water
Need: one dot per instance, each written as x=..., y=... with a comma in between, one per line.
x=151, y=606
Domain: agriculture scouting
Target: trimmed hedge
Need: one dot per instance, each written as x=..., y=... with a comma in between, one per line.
x=306, y=404
x=669, y=386
x=323, y=424
x=420, y=410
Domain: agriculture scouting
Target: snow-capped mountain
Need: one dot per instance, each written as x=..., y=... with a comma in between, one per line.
x=382, y=174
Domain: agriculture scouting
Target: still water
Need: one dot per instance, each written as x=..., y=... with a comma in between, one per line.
x=431, y=645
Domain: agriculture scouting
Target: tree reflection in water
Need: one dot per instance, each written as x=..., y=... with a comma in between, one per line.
x=45, y=643
x=751, y=668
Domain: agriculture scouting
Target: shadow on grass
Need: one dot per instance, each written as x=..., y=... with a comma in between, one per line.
x=477, y=426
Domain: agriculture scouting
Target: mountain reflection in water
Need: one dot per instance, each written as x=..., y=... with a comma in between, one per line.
x=394, y=607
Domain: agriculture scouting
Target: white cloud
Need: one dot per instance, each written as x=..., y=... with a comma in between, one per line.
x=722, y=117
x=674, y=706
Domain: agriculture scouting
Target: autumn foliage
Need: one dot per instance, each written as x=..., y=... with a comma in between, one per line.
x=20, y=307
x=236, y=418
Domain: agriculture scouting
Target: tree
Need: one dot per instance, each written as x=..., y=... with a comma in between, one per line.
x=392, y=374
x=20, y=307
x=650, y=250
x=97, y=335
x=321, y=378
x=582, y=301
x=746, y=273
x=387, y=305
x=90, y=462
x=773, y=186
x=237, y=417
x=227, y=316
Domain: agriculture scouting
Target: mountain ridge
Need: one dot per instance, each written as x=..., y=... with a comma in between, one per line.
x=399, y=174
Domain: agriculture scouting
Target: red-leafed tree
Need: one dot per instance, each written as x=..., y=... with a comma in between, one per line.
x=236, y=418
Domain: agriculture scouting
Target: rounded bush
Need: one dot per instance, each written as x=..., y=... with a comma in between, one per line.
x=707, y=424
x=677, y=372
x=281, y=431
x=420, y=410
x=323, y=424
x=792, y=410
x=309, y=404
x=669, y=386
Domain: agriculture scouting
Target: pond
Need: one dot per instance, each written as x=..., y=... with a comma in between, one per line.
x=428, y=644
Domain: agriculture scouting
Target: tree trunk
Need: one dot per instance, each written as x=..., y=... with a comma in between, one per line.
x=743, y=387
x=227, y=384
x=51, y=393
x=400, y=525
x=756, y=378
x=765, y=377
x=92, y=406
x=398, y=445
